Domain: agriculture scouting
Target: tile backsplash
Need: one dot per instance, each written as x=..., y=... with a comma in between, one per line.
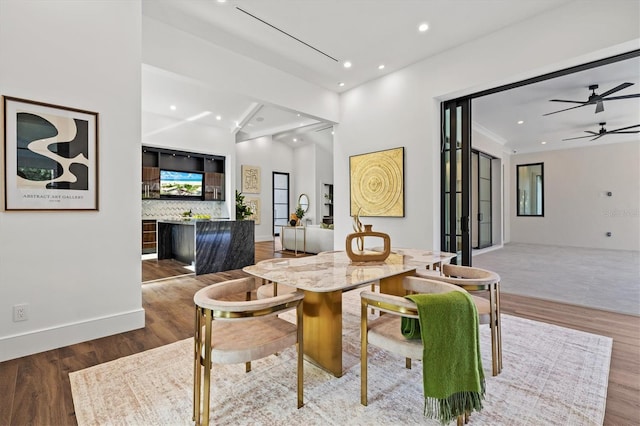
x=173, y=209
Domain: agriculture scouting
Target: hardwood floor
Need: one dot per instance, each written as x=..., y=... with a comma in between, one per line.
x=35, y=390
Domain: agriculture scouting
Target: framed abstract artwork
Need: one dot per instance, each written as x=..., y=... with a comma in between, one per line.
x=254, y=205
x=377, y=183
x=250, y=179
x=51, y=156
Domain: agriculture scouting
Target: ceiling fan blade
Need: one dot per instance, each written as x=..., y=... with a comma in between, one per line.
x=593, y=133
x=599, y=136
x=625, y=128
x=599, y=107
x=566, y=109
x=613, y=98
x=633, y=131
x=616, y=89
x=580, y=137
x=562, y=100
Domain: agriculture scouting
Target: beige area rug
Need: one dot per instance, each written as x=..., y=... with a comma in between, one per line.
x=551, y=376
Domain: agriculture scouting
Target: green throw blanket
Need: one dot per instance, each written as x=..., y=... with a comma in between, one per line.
x=452, y=367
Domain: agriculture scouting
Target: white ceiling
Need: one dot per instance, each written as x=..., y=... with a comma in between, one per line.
x=367, y=33
x=498, y=114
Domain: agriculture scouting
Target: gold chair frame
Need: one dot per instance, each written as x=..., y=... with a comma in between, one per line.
x=208, y=309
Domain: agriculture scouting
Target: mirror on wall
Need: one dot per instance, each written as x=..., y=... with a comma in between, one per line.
x=303, y=202
x=530, y=184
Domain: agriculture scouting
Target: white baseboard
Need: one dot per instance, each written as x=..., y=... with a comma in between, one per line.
x=261, y=238
x=68, y=334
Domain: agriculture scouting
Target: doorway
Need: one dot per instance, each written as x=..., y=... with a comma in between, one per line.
x=457, y=218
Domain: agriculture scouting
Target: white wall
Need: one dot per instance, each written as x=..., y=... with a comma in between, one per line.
x=324, y=174
x=402, y=108
x=79, y=272
x=303, y=180
x=577, y=211
x=271, y=157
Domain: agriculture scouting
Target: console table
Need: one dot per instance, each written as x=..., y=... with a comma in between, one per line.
x=295, y=237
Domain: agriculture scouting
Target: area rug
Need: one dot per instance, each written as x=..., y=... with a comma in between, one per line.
x=551, y=376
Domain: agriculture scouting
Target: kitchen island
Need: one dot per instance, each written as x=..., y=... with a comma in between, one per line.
x=208, y=245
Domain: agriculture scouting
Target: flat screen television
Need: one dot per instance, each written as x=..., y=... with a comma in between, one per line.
x=180, y=184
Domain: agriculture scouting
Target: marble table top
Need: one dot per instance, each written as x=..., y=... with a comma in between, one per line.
x=333, y=271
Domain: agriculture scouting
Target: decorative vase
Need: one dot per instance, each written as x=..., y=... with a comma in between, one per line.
x=293, y=222
x=361, y=256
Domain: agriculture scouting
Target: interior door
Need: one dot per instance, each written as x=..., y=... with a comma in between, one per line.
x=280, y=201
x=484, y=218
x=455, y=179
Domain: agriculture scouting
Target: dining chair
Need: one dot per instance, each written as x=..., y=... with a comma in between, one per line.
x=475, y=281
x=385, y=332
x=231, y=331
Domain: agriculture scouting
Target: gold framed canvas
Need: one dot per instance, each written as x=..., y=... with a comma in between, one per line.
x=254, y=205
x=250, y=179
x=377, y=183
x=51, y=156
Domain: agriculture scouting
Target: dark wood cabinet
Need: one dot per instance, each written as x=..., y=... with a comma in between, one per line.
x=150, y=182
x=213, y=186
x=149, y=239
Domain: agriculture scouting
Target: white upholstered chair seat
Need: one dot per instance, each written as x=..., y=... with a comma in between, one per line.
x=385, y=333
x=266, y=290
x=245, y=341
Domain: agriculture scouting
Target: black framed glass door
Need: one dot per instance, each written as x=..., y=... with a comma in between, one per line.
x=280, y=201
x=481, y=200
x=455, y=179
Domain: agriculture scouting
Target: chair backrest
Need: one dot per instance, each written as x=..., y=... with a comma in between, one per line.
x=425, y=285
x=210, y=298
x=482, y=276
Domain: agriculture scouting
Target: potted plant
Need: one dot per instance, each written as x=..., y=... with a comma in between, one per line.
x=295, y=217
x=242, y=210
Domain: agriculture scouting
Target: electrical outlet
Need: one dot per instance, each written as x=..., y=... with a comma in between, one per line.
x=20, y=312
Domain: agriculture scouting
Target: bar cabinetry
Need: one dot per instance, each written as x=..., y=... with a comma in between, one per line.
x=149, y=240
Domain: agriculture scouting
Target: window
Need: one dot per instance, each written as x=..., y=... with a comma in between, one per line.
x=530, y=184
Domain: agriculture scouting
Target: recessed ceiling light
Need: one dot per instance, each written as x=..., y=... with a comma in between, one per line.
x=222, y=1
x=172, y=107
x=520, y=122
x=218, y=117
x=381, y=66
x=341, y=84
x=543, y=142
x=295, y=140
x=347, y=64
x=423, y=27
x=298, y=115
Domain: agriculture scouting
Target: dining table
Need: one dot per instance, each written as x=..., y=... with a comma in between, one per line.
x=323, y=279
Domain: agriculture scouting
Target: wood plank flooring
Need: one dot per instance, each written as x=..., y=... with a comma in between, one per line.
x=35, y=390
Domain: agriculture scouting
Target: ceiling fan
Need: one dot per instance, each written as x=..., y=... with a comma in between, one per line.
x=596, y=99
x=603, y=132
